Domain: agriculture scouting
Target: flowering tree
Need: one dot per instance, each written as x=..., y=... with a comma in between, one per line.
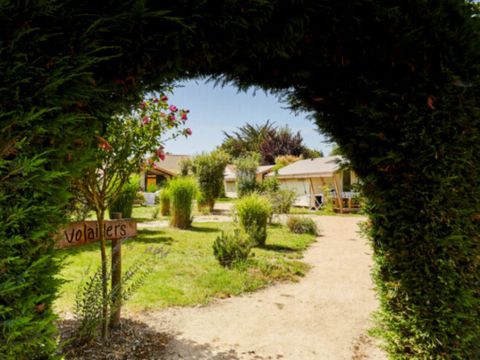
x=121, y=151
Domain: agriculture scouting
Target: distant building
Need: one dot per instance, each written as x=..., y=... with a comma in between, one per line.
x=163, y=171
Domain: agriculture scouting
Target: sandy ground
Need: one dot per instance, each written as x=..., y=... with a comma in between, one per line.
x=324, y=316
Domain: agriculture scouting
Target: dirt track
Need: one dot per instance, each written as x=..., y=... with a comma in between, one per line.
x=324, y=316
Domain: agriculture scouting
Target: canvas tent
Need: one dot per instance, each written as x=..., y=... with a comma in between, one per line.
x=310, y=177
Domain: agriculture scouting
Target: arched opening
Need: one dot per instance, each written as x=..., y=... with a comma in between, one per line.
x=396, y=85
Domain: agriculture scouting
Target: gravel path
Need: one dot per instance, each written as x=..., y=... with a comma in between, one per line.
x=324, y=316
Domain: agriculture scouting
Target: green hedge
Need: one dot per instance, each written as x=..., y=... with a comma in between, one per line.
x=395, y=84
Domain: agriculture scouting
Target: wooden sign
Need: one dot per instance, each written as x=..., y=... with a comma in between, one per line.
x=85, y=232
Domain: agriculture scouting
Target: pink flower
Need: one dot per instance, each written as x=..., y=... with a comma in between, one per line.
x=173, y=108
x=155, y=166
x=162, y=156
x=172, y=118
x=143, y=104
x=184, y=116
x=164, y=98
x=187, y=131
x=155, y=100
x=145, y=120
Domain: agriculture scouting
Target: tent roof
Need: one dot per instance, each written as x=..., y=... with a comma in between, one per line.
x=230, y=174
x=318, y=167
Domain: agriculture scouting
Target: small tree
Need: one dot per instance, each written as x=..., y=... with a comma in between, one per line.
x=209, y=171
x=246, y=171
x=121, y=151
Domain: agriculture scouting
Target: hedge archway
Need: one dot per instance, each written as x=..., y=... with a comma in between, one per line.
x=396, y=84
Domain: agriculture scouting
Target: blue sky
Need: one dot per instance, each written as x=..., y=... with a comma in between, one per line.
x=217, y=109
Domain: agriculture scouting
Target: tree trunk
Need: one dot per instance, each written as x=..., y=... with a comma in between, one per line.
x=211, y=205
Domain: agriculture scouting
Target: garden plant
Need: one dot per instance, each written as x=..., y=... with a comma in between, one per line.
x=182, y=191
x=253, y=213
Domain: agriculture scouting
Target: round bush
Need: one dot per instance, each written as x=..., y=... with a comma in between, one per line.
x=232, y=248
x=253, y=212
x=302, y=225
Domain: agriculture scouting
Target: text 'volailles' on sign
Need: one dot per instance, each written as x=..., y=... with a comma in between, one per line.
x=84, y=232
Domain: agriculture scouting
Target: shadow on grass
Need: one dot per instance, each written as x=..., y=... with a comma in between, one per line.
x=278, y=248
x=149, y=236
x=203, y=229
x=134, y=339
x=144, y=219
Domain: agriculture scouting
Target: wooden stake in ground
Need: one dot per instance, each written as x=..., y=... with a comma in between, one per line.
x=116, y=308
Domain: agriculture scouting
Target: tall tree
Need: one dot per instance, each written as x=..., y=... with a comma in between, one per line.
x=280, y=142
x=268, y=141
x=247, y=139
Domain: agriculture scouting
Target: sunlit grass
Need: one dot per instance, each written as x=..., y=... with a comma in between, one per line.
x=190, y=274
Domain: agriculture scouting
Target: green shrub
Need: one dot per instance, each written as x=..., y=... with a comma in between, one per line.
x=269, y=185
x=124, y=202
x=281, y=200
x=182, y=192
x=88, y=300
x=302, y=225
x=230, y=249
x=164, y=201
x=328, y=201
x=208, y=170
x=201, y=201
x=253, y=213
x=246, y=172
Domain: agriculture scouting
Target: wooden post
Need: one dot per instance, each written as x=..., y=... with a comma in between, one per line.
x=116, y=278
x=339, y=197
x=312, y=195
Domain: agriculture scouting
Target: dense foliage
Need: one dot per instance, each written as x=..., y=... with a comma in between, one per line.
x=164, y=201
x=253, y=213
x=123, y=203
x=267, y=140
x=281, y=200
x=182, y=191
x=208, y=169
x=246, y=174
x=230, y=249
x=395, y=84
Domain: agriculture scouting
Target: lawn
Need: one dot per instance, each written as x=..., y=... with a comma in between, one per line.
x=189, y=274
